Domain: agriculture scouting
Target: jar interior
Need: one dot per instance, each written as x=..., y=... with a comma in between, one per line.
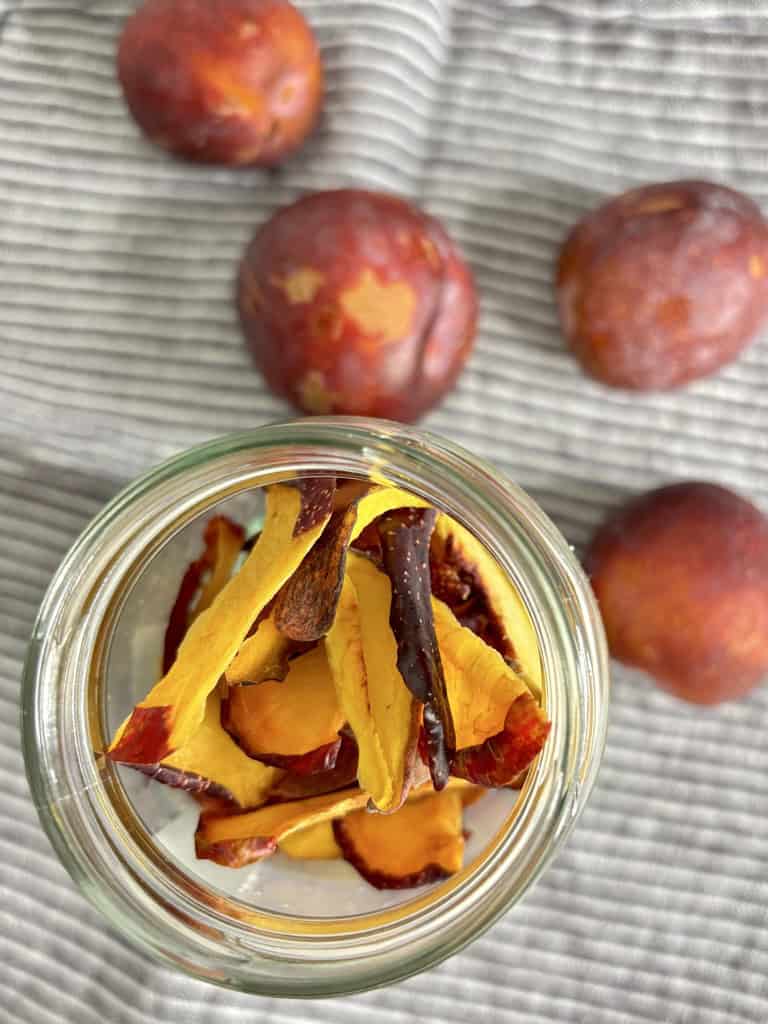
x=168, y=817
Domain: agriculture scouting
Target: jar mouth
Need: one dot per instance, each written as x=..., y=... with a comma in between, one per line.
x=91, y=820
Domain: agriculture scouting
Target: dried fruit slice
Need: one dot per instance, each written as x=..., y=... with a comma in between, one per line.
x=381, y=711
x=405, y=540
x=316, y=495
x=500, y=727
x=300, y=781
x=314, y=843
x=289, y=718
x=213, y=765
x=172, y=712
x=464, y=571
x=421, y=843
x=238, y=839
x=481, y=685
x=499, y=760
x=306, y=605
x=264, y=655
x=318, y=842
x=223, y=540
x=227, y=543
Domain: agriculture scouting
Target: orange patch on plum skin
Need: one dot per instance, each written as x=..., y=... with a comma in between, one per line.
x=237, y=99
x=383, y=310
x=756, y=267
x=299, y=286
x=660, y=204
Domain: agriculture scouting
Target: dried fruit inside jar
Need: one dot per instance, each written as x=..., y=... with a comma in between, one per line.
x=342, y=685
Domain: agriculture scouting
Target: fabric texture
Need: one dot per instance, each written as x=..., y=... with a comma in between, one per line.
x=119, y=346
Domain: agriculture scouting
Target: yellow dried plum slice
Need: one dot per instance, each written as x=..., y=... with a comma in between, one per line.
x=213, y=765
x=381, y=712
x=470, y=580
x=287, y=719
x=236, y=840
x=223, y=541
x=172, y=712
x=421, y=843
x=501, y=758
x=316, y=842
x=500, y=727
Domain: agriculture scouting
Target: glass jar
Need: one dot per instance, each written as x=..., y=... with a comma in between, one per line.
x=98, y=622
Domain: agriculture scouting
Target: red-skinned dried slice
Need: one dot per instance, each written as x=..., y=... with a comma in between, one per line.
x=173, y=710
x=306, y=606
x=212, y=765
x=499, y=760
x=421, y=843
x=317, y=493
x=405, y=537
x=223, y=540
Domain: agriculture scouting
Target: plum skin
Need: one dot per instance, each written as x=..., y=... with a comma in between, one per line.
x=221, y=81
x=357, y=302
x=681, y=578
x=664, y=284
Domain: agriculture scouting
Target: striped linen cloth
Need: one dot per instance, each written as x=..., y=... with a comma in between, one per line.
x=119, y=346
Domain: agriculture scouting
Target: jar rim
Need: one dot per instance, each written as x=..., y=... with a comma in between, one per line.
x=171, y=915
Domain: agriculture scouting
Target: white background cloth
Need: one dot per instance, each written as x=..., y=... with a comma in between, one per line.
x=119, y=346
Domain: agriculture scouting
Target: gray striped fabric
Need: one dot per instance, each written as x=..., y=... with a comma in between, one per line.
x=119, y=346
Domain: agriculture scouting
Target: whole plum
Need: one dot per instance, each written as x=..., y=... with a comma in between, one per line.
x=664, y=284
x=221, y=81
x=681, y=577
x=357, y=302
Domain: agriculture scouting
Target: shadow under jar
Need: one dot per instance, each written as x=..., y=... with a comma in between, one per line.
x=288, y=928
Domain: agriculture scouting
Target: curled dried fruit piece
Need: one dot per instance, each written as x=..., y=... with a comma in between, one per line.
x=213, y=765
x=169, y=716
x=381, y=711
x=498, y=760
x=306, y=605
x=303, y=778
x=500, y=727
x=481, y=685
x=469, y=579
x=223, y=540
x=287, y=719
x=405, y=537
x=423, y=842
x=238, y=839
